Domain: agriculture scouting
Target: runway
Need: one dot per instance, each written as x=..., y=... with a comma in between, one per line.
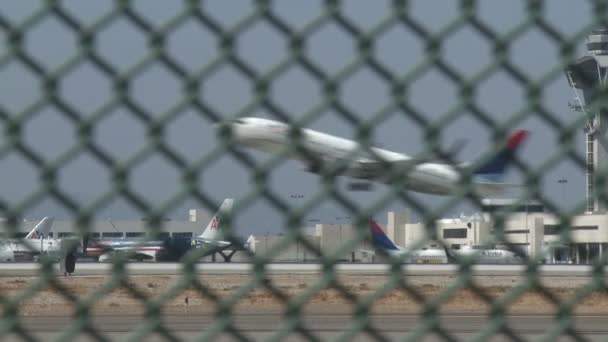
x=263, y=325
x=83, y=269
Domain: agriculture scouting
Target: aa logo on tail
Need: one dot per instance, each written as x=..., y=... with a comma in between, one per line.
x=214, y=224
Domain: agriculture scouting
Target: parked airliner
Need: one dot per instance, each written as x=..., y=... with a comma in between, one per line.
x=383, y=245
x=213, y=237
x=319, y=151
x=170, y=249
x=32, y=245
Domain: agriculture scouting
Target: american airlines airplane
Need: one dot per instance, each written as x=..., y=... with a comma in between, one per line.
x=169, y=249
x=213, y=237
x=385, y=246
x=321, y=151
x=32, y=245
x=105, y=250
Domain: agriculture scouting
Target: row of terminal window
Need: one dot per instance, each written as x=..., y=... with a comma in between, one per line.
x=550, y=229
x=111, y=235
x=529, y=208
x=595, y=46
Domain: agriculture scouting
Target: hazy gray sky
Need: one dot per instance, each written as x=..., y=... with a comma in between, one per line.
x=193, y=46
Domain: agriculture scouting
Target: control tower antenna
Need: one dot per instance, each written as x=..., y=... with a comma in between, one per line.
x=587, y=76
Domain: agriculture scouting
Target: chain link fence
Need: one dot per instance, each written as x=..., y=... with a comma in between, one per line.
x=47, y=78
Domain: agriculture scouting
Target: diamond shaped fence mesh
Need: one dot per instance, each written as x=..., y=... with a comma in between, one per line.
x=72, y=72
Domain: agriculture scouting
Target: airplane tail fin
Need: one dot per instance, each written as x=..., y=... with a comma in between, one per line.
x=42, y=229
x=214, y=228
x=494, y=169
x=250, y=243
x=379, y=239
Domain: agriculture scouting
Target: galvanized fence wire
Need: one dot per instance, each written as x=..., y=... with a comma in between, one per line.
x=50, y=80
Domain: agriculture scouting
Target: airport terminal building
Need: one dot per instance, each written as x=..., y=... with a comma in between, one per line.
x=528, y=227
x=196, y=223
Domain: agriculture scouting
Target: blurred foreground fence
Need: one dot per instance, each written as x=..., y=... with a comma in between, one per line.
x=47, y=78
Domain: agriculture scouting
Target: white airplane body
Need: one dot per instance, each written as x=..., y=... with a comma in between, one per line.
x=138, y=250
x=358, y=162
x=33, y=244
x=383, y=244
x=39, y=246
x=6, y=254
x=213, y=237
x=420, y=256
x=489, y=256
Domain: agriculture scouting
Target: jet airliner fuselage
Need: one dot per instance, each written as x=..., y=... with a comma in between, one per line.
x=318, y=150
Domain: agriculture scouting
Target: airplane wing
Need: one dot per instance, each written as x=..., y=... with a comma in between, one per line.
x=132, y=254
x=367, y=251
x=215, y=244
x=373, y=169
x=439, y=157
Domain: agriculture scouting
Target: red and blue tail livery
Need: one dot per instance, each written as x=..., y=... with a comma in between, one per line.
x=385, y=246
x=495, y=168
x=379, y=239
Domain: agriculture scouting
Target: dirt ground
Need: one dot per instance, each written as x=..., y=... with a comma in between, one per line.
x=242, y=291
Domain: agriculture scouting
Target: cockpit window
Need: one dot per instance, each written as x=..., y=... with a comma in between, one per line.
x=240, y=121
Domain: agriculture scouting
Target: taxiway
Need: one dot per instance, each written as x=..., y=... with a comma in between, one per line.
x=266, y=325
x=32, y=269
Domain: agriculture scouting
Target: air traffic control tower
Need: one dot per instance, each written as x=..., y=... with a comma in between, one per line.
x=587, y=76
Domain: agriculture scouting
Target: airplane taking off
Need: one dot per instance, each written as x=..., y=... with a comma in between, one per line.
x=319, y=151
x=213, y=236
x=385, y=246
x=32, y=245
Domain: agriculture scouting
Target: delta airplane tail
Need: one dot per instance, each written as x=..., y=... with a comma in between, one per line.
x=494, y=169
x=380, y=241
x=42, y=229
x=213, y=231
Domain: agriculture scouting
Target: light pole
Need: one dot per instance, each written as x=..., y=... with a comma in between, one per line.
x=563, y=182
x=296, y=199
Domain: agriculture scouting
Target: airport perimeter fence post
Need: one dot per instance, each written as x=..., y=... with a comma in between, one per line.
x=30, y=49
